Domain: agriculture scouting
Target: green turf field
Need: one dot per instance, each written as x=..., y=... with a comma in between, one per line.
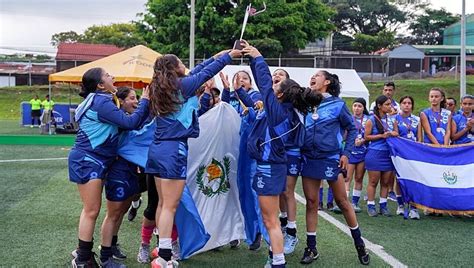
x=40, y=208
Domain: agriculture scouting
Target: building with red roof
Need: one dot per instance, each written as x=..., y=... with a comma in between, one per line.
x=70, y=55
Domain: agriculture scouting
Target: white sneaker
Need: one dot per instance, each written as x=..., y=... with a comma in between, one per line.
x=143, y=255
x=414, y=215
x=290, y=243
x=161, y=263
x=400, y=210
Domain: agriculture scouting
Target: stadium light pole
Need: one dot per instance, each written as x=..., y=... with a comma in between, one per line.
x=191, y=36
x=463, y=50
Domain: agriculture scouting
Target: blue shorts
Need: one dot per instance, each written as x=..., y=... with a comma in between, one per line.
x=356, y=158
x=378, y=160
x=84, y=167
x=269, y=179
x=320, y=168
x=121, y=181
x=293, y=166
x=168, y=159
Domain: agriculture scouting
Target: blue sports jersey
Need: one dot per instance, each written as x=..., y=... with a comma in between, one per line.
x=323, y=137
x=184, y=124
x=99, y=124
x=461, y=123
x=274, y=127
x=408, y=126
x=248, y=98
x=387, y=123
x=359, y=123
x=438, y=124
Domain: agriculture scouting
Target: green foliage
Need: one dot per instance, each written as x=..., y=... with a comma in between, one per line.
x=369, y=43
x=281, y=30
x=119, y=34
x=427, y=28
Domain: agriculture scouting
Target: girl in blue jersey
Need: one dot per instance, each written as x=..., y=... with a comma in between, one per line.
x=281, y=118
x=377, y=159
x=436, y=120
x=174, y=104
x=322, y=160
x=409, y=127
x=243, y=93
x=356, y=165
x=462, y=130
x=95, y=149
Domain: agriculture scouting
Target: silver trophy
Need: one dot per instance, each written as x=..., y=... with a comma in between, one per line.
x=249, y=11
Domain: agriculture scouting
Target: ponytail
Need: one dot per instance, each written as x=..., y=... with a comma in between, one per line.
x=302, y=99
x=378, y=123
x=334, y=88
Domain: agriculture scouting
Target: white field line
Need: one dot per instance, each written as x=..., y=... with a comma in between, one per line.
x=33, y=159
x=376, y=249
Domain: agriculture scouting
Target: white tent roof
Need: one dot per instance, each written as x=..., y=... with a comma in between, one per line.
x=351, y=84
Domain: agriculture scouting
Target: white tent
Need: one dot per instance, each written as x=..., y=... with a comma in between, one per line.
x=351, y=84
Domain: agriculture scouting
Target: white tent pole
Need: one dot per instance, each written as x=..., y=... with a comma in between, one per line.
x=463, y=50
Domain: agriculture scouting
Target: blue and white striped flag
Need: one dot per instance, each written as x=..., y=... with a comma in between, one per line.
x=435, y=178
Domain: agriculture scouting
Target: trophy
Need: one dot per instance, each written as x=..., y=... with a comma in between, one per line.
x=249, y=11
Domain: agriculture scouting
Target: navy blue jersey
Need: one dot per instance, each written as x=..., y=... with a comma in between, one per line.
x=248, y=98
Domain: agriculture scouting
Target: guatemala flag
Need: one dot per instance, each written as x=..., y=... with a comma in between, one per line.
x=438, y=179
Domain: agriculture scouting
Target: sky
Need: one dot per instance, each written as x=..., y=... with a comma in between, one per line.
x=29, y=24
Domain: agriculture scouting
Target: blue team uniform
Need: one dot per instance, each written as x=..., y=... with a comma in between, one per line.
x=248, y=98
x=408, y=126
x=378, y=157
x=438, y=124
x=96, y=142
x=358, y=152
x=461, y=123
x=121, y=181
x=272, y=129
x=167, y=156
x=323, y=139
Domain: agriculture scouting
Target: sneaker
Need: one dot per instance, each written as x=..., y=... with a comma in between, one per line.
x=74, y=253
x=118, y=253
x=372, y=211
x=154, y=253
x=356, y=208
x=400, y=210
x=257, y=243
x=161, y=263
x=290, y=243
x=321, y=206
x=336, y=209
x=363, y=255
x=385, y=212
x=132, y=212
x=234, y=243
x=414, y=215
x=92, y=263
x=143, y=255
x=392, y=196
x=330, y=206
x=268, y=263
x=176, y=250
x=309, y=256
x=112, y=263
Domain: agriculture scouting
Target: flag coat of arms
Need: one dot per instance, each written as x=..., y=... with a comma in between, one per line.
x=439, y=179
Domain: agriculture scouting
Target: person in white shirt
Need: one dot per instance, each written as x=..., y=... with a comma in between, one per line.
x=388, y=91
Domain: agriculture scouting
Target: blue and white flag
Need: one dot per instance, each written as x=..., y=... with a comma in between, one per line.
x=435, y=178
x=212, y=175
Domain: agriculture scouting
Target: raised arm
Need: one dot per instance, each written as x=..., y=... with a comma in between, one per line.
x=109, y=113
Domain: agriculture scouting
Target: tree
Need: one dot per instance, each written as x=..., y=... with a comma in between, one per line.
x=365, y=43
x=367, y=16
x=119, y=34
x=428, y=28
x=282, y=29
x=65, y=37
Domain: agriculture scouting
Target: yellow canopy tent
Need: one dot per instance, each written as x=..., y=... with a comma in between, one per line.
x=133, y=67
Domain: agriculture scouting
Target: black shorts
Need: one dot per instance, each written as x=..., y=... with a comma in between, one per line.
x=35, y=113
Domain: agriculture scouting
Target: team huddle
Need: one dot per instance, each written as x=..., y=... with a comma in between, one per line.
x=294, y=131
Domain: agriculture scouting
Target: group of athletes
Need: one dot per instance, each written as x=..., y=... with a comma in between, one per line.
x=297, y=131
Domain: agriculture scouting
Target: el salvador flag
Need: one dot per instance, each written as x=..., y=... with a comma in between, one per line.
x=436, y=178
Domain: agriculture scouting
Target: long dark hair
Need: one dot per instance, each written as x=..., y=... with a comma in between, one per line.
x=164, y=94
x=334, y=88
x=90, y=80
x=303, y=99
x=412, y=101
x=442, y=104
x=122, y=92
x=379, y=101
